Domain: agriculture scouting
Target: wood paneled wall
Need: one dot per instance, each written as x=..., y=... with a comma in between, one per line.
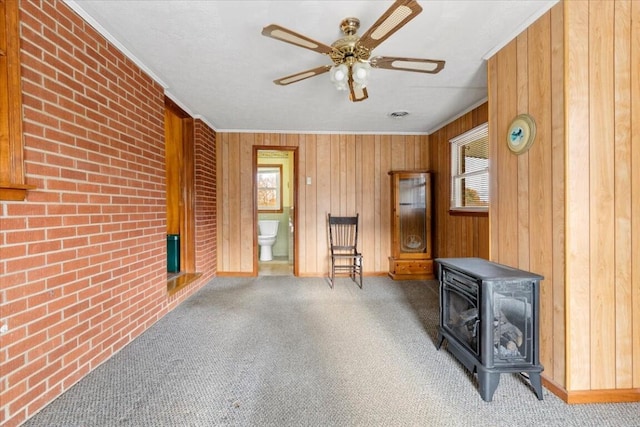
x=603, y=196
x=567, y=209
x=527, y=191
x=348, y=175
x=455, y=235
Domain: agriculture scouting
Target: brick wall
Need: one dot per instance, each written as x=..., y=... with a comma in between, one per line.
x=205, y=182
x=83, y=259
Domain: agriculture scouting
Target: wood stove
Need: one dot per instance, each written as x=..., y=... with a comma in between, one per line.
x=489, y=315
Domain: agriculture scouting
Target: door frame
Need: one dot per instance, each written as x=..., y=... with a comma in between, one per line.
x=294, y=150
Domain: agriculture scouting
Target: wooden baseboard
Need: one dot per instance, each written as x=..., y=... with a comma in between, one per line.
x=604, y=396
x=592, y=396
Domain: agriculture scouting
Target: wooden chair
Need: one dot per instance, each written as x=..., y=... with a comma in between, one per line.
x=343, y=241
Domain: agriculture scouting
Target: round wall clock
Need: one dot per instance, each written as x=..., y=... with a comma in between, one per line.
x=521, y=133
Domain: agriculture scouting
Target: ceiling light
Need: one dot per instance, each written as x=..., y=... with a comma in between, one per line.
x=360, y=72
x=339, y=76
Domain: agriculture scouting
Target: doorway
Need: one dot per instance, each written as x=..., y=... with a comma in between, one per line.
x=275, y=190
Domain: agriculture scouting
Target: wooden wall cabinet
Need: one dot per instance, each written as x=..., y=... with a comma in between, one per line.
x=411, y=257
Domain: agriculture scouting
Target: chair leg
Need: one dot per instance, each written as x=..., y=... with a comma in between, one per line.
x=333, y=272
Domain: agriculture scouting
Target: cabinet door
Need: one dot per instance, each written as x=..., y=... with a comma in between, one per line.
x=413, y=220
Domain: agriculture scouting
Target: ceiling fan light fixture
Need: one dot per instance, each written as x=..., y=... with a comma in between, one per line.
x=339, y=76
x=360, y=73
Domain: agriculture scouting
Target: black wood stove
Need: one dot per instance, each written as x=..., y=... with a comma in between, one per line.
x=489, y=315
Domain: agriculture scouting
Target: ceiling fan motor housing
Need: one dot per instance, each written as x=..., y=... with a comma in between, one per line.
x=346, y=49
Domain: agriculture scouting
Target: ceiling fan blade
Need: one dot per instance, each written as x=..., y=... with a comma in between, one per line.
x=284, y=34
x=302, y=75
x=356, y=92
x=401, y=12
x=431, y=66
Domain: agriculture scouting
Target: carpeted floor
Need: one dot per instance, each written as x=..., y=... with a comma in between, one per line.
x=284, y=351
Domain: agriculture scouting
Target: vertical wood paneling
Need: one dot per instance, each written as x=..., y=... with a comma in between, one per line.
x=557, y=370
x=523, y=78
x=635, y=189
x=358, y=184
x=539, y=235
x=494, y=208
x=578, y=242
x=248, y=229
x=348, y=175
x=376, y=177
x=602, y=218
x=334, y=177
x=385, y=199
x=368, y=195
x=323, y=199
x=506, y=164
x=301, y=203
x=622, y=170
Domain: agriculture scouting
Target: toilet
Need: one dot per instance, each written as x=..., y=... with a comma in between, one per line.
x=267, y=234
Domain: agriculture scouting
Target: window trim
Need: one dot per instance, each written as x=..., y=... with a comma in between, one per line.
x=478, y=132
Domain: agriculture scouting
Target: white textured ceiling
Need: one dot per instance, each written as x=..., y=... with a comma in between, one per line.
x=214, y=62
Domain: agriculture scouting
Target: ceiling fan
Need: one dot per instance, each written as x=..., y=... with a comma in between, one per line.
x=351, y=54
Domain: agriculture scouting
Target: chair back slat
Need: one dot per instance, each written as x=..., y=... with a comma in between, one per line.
x=343, y=233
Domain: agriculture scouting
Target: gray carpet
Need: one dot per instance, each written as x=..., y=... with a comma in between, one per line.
x=281, y=351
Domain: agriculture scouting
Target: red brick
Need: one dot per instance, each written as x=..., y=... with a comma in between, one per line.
x=31, y=395
x=16, y=333
x=25, y=236
x=60, y=256
x=59, y=304
x=22, y=289
x=8, y=252
x=43, y=271
x=20, y=264
x=63, y=376
x=43, y=247
x=26, y=209
x=40, y=298
x=23, y=346
x=16, y=391
x=44, y=349
x=57, y=331
x=43, y=399
x=44, y=221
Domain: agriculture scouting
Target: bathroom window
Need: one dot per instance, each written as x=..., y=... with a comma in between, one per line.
x=270, y=188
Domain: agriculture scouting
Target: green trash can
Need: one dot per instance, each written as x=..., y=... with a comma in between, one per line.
x=173, y=253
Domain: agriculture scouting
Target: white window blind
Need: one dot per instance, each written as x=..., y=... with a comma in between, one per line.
x=470, y=170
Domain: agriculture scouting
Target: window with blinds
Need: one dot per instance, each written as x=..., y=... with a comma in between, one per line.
x=470, y=170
